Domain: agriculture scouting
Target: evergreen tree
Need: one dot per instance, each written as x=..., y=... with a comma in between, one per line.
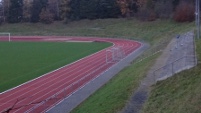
x=83, y=9
x=93, y=9
x=46, y=16
x=37, y=7
x=108, y=9
x=15, y=11
x=1, y=12
x=74, y=13
x=27, y=10
x=64, y=9
x=88, y=9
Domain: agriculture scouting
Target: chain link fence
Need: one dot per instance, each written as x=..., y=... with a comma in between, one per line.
x=179, y=54
x=183, y=56
x=170, y=69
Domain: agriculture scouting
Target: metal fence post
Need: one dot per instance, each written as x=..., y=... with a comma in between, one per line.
x=185, y=60
x=172, y=65
x=155, y=80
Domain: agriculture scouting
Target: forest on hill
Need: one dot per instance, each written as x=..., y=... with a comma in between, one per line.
x=48, y=11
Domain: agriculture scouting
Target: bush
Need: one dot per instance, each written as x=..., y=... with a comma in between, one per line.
x=163, y=8
x=146, y=11
x=184, y=12
x=46, y=17
x=1, y=20
x=145, y=14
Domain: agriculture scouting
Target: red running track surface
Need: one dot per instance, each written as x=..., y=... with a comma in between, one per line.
x=42, y=93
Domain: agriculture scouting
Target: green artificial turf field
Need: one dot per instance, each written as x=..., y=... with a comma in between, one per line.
x=23, y=61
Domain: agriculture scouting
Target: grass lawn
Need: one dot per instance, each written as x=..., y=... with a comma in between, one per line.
x=178, y=94
x=23, y=61
x=151, y=32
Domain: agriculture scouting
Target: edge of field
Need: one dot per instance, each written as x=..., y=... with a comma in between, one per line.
x=115, y=94
x=178, y=94
x=52, y=70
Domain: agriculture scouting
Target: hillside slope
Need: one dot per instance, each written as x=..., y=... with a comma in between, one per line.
x=178, y=94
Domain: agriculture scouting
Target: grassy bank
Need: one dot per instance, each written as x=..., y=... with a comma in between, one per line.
x=124, y=28
x=178, y=94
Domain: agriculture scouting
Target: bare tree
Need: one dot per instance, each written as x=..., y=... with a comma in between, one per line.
x=164, y=8
x=53, y=6
x=4, y=9
x=1, y=12
x=27, y=10
x=64, y=9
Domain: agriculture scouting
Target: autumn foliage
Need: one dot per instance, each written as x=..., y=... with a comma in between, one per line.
x=47, y=11
x=46, y=17
x=124, y=6
x=184, y=12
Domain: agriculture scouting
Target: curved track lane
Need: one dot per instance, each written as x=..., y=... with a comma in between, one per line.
x=54, y=86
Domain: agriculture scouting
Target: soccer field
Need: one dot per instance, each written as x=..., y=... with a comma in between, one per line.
x=23, y=61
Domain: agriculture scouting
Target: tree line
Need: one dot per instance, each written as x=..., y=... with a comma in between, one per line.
x=48, y=11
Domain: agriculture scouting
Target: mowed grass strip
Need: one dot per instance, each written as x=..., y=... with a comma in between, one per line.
x=23, y=61
x=114, y=95
x=178, y=94
x=151, y=32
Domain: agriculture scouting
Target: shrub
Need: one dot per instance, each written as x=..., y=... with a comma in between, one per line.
x=145, y=14
x=46, y=17
x=15, y=11
x=163, y=8
x=146, y=11
x=184, y=12
x=1, y=20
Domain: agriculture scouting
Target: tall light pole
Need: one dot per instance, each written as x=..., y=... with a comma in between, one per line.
x=197, y=17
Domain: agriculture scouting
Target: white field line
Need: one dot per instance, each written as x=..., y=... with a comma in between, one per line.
x=59, y=68
x=56, y=69
x=80, y=87
x=70, y=64
x=141, y=45
x=35, y=100
x=148, y=56
x=99, y=61
x=56, y=77
x=87, y=82
x=80, y=75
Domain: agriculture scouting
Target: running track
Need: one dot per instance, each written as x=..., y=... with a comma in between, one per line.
x=44, y=92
